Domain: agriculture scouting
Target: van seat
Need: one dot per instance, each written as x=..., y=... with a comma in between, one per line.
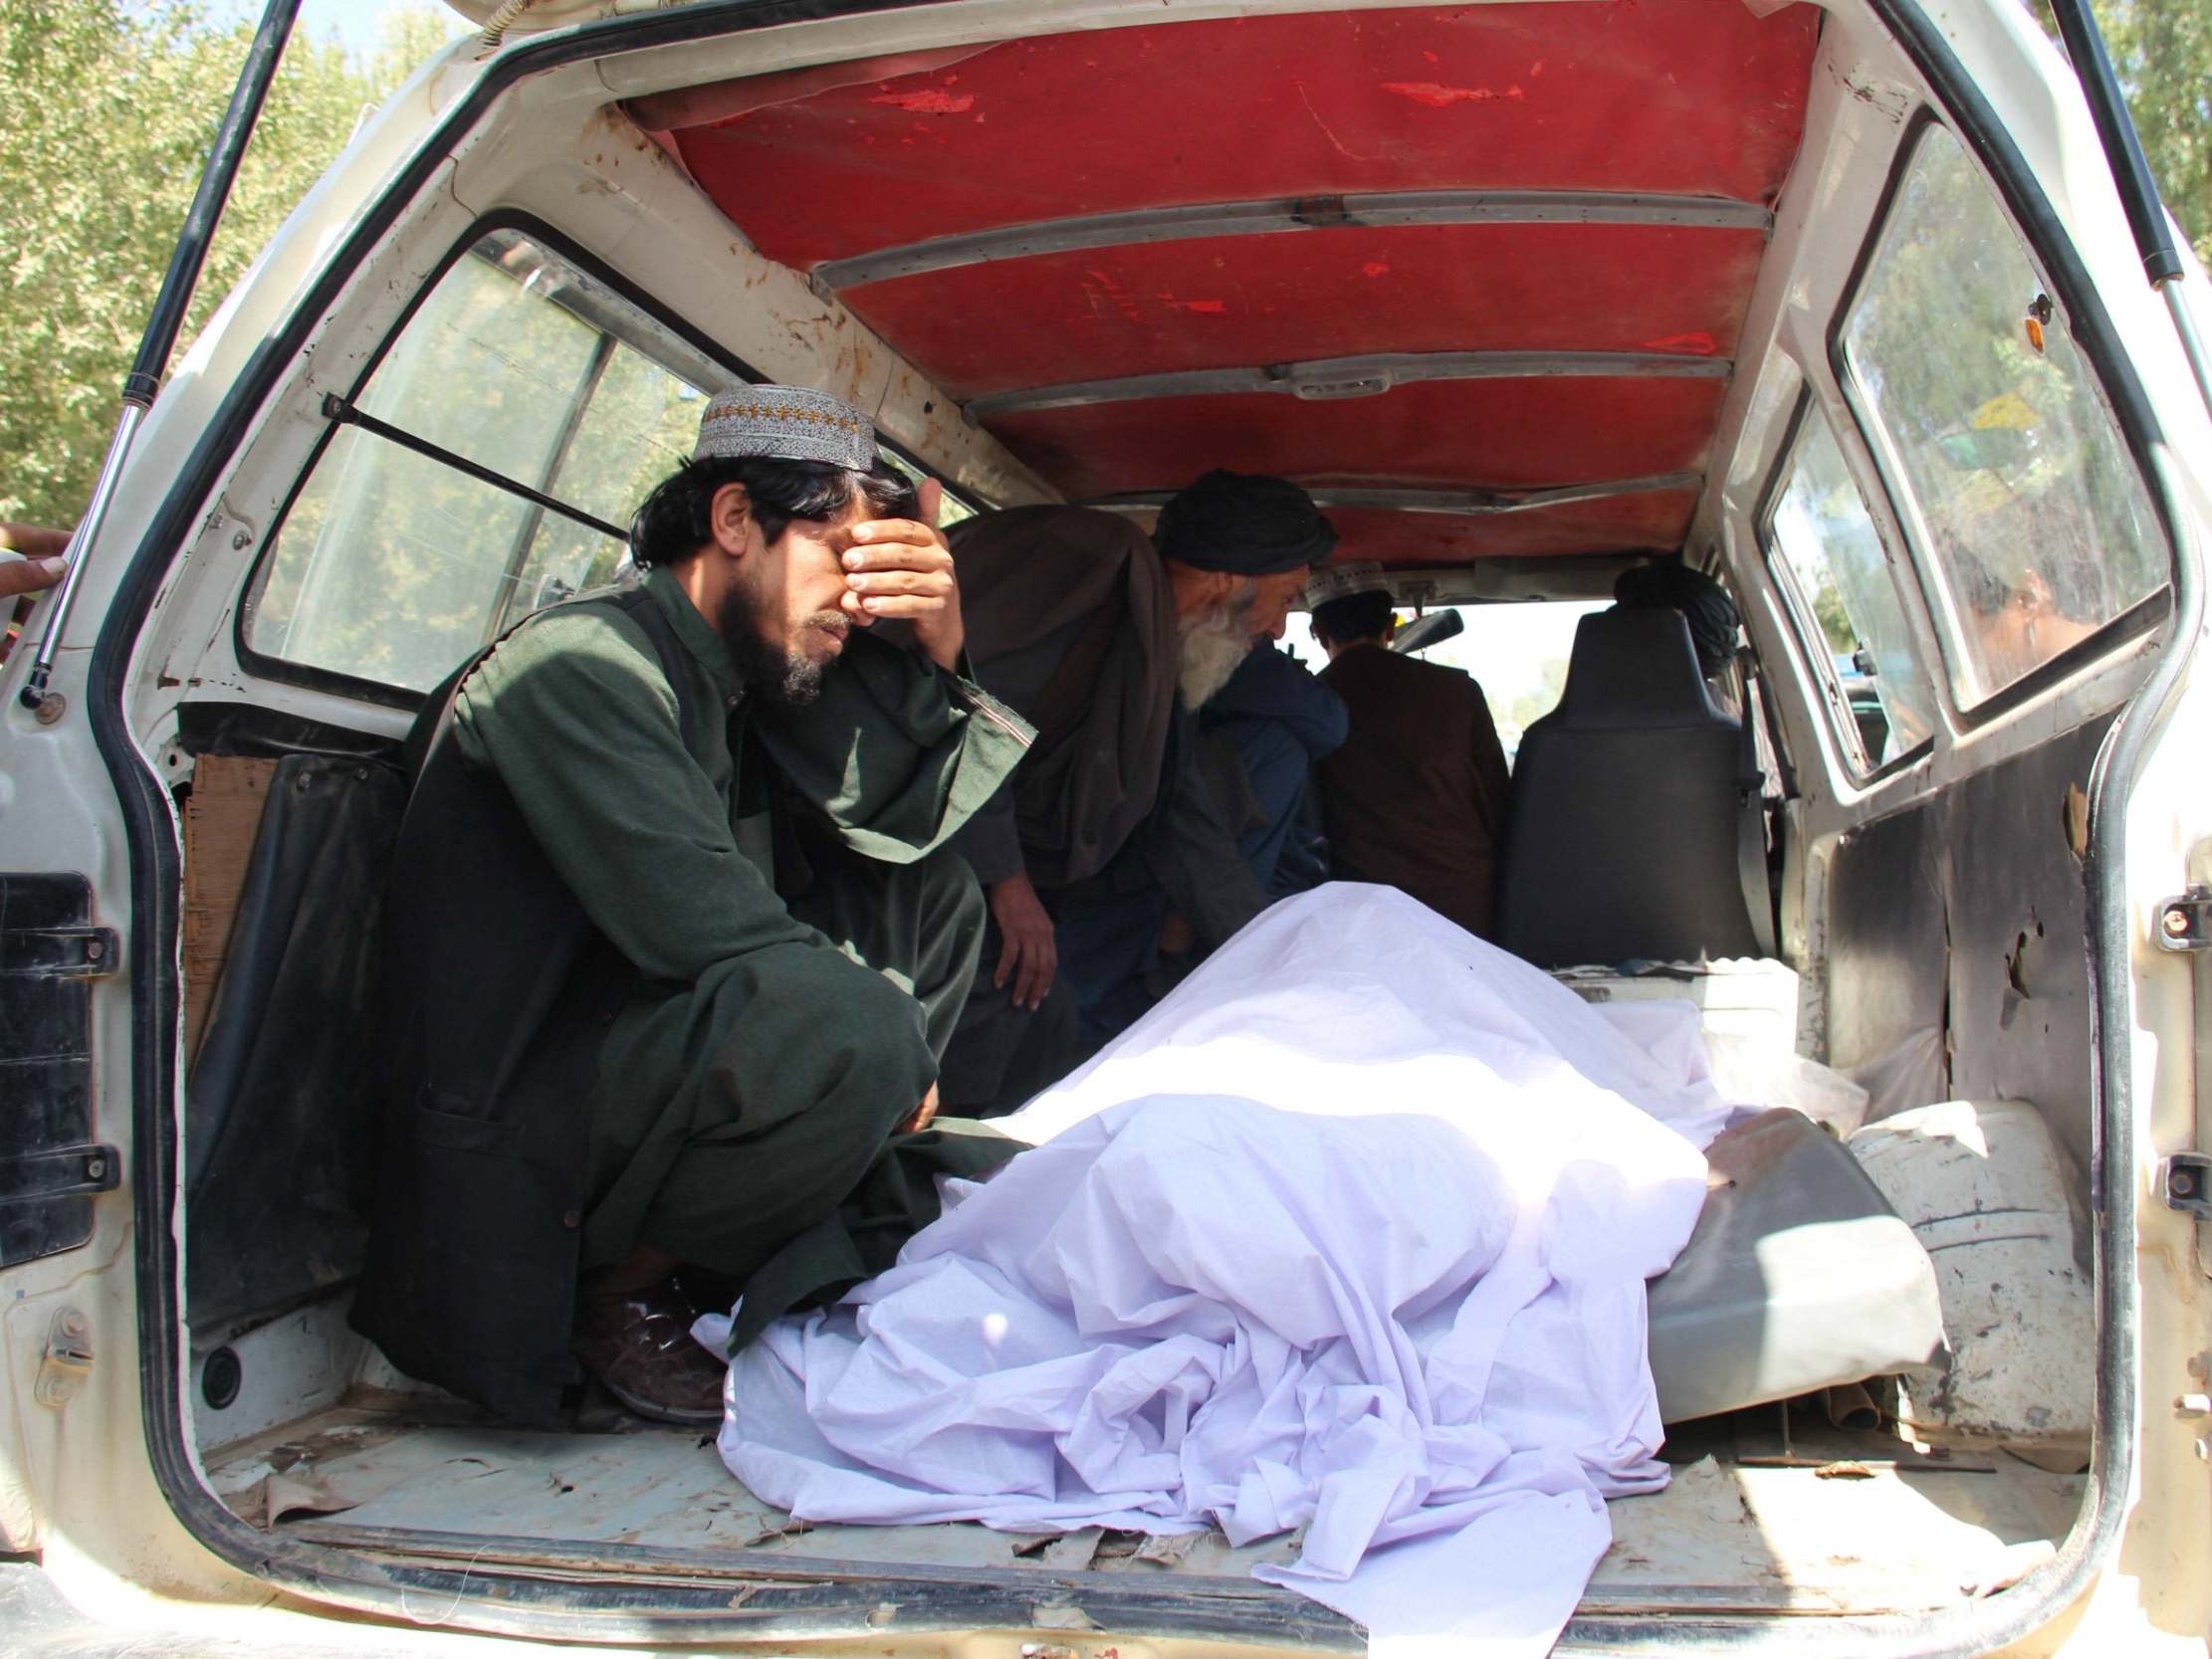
x=1621, y=837
x=1799, y=1276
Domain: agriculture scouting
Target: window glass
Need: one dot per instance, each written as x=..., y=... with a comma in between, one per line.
x=2036, y=520
x=394, y=567
x=1846, y=610
x=637, y=427
x=1516, y=651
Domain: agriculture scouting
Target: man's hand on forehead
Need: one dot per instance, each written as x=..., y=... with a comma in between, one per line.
x=902, y=567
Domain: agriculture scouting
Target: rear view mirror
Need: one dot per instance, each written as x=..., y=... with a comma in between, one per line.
x=1425, y=631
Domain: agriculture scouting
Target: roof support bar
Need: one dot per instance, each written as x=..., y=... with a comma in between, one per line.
x=1342, y=377
x=2139, y=190
x=1380, y=210
x=1454, y=503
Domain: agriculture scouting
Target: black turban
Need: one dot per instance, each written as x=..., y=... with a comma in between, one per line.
x=1244, y=525
x=1670, y=585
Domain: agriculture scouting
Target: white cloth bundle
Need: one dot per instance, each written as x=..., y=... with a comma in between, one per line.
x=1350, y=1234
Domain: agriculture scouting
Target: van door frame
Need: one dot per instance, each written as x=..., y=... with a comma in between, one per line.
x=535, y=1606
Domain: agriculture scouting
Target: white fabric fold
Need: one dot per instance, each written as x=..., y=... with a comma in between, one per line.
x=1349, y=1234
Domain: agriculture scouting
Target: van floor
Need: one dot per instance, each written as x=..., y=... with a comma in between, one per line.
x=1850, y=1521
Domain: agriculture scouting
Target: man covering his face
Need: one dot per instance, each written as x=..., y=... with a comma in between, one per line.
x=1106, y=642
x=674, y=940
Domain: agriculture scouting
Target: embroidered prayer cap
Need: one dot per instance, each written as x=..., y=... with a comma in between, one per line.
x=1342, y=581
x=786, y=423
x=1246, y=524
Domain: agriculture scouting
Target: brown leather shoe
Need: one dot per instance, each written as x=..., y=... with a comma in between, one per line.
x=639, y=1344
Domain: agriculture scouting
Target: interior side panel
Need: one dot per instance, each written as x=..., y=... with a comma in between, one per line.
x=2019, y=991
x=1966, y=913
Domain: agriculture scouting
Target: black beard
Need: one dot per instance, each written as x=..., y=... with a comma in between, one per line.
x=776, y=677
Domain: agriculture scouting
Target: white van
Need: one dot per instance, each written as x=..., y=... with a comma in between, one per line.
x=1838, y=300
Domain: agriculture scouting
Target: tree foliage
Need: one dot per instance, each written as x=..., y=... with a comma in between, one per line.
x=2162, y=53
x=111, y=105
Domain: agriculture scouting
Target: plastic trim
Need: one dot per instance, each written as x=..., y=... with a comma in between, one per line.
x=1331, y=378
x=1380, y=210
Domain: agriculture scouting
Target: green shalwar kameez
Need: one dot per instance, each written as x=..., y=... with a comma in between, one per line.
x=743, y=1098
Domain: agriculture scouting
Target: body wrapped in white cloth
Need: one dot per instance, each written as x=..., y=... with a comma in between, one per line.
x=1349, y=1234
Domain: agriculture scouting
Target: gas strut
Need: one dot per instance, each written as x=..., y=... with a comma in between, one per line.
x=2138, y=191
x=143, y=384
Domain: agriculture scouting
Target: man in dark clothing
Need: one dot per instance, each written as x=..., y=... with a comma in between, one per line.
x=1108, y=849
x=674, y=938
x=1260, y=736
x=1415, y=797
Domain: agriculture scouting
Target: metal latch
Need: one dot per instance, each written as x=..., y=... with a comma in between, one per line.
x=58, y=1173
x=2188, y=1184
x=67, y=1360
x=60, y=953
x=2186, y=923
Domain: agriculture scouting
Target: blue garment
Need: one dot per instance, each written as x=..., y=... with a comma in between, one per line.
x=1280, y=719
x=1272, y=685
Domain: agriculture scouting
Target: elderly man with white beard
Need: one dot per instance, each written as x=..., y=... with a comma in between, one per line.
x=1105, y=858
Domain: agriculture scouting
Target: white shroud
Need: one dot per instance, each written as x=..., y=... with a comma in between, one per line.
x=1350, y=1234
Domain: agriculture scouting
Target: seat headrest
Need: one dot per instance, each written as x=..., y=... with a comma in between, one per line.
x=1635, y=668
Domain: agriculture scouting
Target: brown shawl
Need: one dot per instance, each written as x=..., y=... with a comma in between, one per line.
x=1102, y=708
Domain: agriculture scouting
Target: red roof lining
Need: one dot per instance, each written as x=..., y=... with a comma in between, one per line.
x=1681, y=97
x=1233, y=302
x=1643, y=522
x=1661, y=97
x=1505, y=434
x=1618, y=525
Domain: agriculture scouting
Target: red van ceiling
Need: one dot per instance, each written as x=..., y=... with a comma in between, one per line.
x=1499, y=247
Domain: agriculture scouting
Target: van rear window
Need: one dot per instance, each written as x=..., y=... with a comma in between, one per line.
x=393, y=566
x=1516, y=651
x=2004, y=461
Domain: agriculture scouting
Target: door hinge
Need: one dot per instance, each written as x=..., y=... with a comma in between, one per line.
x=2186, y=923
x=67, y=1360
x=60, y=953
x=58, y=1173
